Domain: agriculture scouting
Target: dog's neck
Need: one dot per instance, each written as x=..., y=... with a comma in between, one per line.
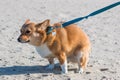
x=48, y=39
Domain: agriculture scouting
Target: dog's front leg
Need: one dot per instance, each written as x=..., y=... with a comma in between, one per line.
x=51, y=64
x=63, y=62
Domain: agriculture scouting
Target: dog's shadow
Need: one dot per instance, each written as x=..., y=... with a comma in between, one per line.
x=17, y=70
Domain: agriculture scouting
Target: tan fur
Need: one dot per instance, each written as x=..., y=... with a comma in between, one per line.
x=67, y=42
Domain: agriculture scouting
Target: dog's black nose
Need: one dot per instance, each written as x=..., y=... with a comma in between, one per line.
x=18, y=39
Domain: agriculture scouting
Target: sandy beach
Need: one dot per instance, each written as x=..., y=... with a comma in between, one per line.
x=22, y=62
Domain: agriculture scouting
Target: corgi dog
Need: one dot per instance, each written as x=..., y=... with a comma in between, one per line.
x=53, y=41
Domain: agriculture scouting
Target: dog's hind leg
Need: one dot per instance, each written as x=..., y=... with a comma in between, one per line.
x=82, y=61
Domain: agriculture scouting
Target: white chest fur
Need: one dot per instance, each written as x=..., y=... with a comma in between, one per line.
x=44, y=51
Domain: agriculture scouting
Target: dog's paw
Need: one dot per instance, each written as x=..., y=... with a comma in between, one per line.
x=80, y=71
x=50, y=67
x=64, y=72
x=64, y=69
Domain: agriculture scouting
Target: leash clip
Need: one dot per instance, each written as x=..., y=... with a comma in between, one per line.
x=61, y=26
x=53, y=33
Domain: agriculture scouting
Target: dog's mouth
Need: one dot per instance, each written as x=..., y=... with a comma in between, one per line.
x=26, y=41
x=21, y=41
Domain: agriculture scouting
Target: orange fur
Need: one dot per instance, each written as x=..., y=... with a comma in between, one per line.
x=67, y=42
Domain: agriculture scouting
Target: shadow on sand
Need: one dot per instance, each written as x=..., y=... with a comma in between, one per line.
x=16, y=70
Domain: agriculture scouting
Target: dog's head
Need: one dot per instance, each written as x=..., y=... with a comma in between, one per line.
x=32, y=33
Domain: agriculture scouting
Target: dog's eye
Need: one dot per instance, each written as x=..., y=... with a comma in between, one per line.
x=27, y=31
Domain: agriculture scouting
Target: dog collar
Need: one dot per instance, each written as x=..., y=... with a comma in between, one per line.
x=49, y=29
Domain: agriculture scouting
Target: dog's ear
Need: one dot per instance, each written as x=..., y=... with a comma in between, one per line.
x=43, y=25
x=27, y=21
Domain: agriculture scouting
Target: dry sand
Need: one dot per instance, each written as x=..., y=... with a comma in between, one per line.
x=21, y=61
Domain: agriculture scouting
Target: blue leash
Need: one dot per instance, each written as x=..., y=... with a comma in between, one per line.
x=91, y=14
x=85, y=17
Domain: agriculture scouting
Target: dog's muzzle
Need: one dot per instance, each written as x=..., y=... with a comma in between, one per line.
x=21, y=41
x=18, y=40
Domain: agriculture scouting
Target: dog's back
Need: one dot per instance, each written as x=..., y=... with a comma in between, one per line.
x=72, y=38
